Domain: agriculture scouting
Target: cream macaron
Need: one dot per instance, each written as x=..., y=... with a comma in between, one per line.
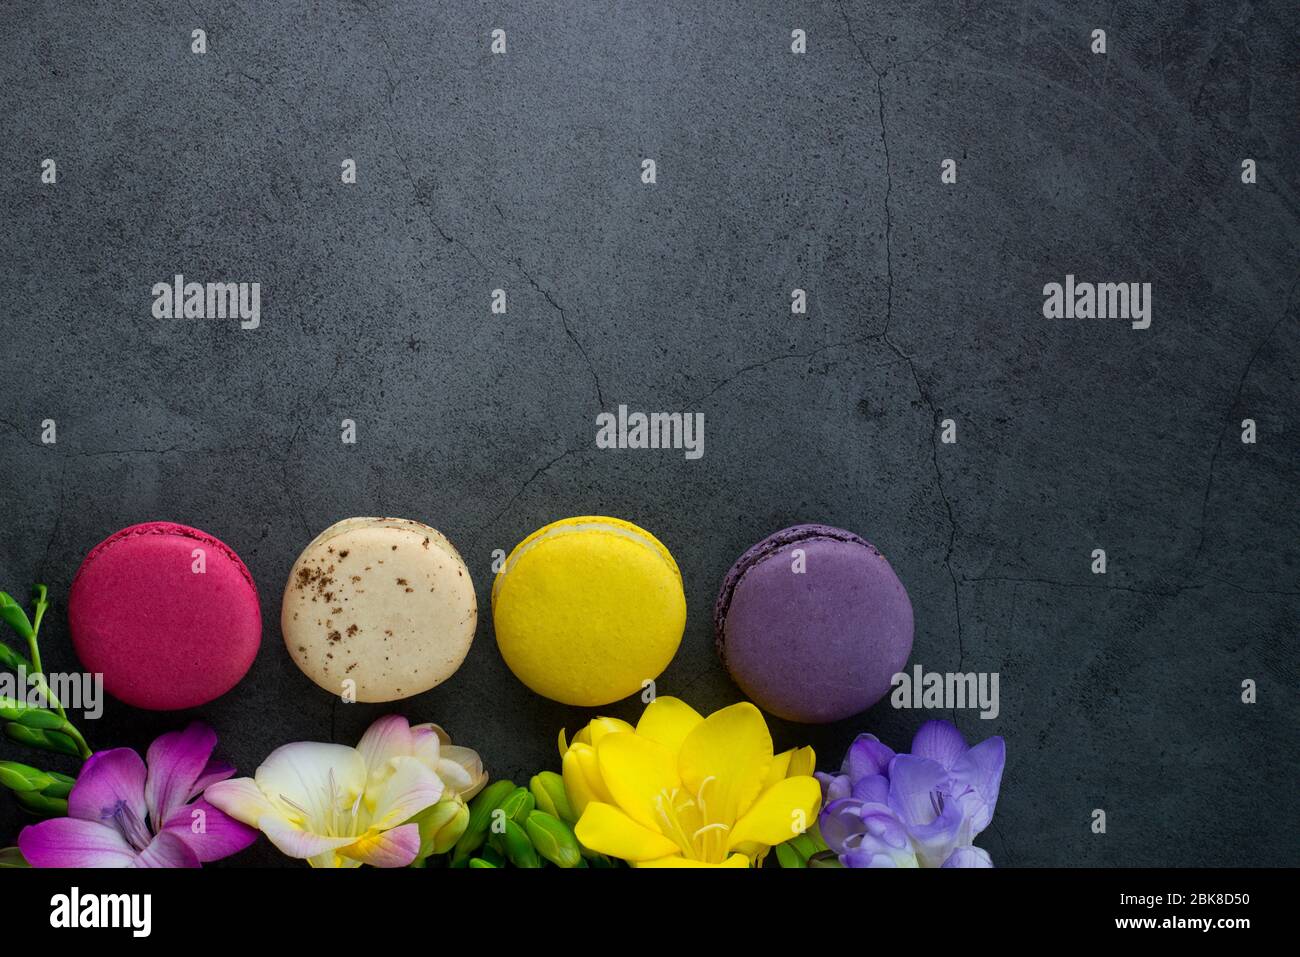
x=379, y=609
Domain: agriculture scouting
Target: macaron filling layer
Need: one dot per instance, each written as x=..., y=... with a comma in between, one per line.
x=587, y=523
x=167, y=528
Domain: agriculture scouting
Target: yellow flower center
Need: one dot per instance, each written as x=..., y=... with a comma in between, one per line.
x=685, y=821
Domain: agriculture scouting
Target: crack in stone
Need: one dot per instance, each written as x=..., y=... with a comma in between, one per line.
x=1232, y=405
x=884, y=335
x=520, y=491
x=1152, y=591
x=469, y=250
x=1052, y=583
x=762, y=363
x=58, y=521
x=568, y=331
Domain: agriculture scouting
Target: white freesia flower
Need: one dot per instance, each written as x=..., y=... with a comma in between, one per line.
x=336, y=806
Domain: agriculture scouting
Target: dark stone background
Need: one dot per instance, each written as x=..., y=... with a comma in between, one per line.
x=775, y=171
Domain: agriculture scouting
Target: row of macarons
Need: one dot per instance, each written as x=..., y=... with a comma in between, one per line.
x=811, y=622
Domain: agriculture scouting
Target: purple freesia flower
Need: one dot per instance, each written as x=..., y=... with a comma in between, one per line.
x=121, y=814
x=913, y=810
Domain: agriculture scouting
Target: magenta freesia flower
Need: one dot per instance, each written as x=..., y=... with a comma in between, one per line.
x=122, y=814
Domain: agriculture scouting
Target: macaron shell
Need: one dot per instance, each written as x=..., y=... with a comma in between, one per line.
x=381, y=607
x=164, y=635
x=588, y=609
x=818, y=645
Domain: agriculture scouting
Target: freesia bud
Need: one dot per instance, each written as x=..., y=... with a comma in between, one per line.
x=48, y=740
x=518, y=848
x=13, y=615
x=441, y=826
x=517, y=804
x=38, y=803
x=22, y=777
x=553, y=839
x=480, y=817
x=548, y=792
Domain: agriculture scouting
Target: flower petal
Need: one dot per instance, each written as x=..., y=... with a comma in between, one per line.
x=176, y=762
x=668, y=721
x=209, y=832
x=392, y=848
x=940, y=741
x=599, y=727
x=467, y=777
x=724, y=760
x=834, y=786
x=405, y=793
x=107, y=779
x=803, y=761
x=980, y=769
x=167, y=850
x=969, y=856
x=639, y=774
x=866, y=755
x=214, y=771
x=387, y=738
x=734, y=861
x=295, y=842
x=71, y=842
x=311, y=783
x=779, y=769
x=912, y=783
x=785, y=810
x=874, y=789
x=582, y=778
x=426, y=745
x=242, y=799
x=607, y=830
x=841, y=824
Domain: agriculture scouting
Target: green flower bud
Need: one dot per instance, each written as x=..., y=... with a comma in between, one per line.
x=41, y=805
x=788, y=856
x=517, y=805
x=548, y=791
x=42, y=720
x=804, y=845
x=441, y=826
x=13, y=661
x=518, y=848
x=47, y=740
x=478, y=862
x=61, y=787
x=13, y=615
x=12, y=857
x=480, y=817
x=22, y=777
x=553, y=839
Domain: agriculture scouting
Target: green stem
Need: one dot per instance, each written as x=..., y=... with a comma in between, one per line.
x=75, y=735
x=34, y=650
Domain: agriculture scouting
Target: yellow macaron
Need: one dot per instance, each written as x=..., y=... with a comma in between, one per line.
x=588, y=609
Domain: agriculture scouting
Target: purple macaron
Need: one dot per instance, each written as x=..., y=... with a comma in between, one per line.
x=813, y=624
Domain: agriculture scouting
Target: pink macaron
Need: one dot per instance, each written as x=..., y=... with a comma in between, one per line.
x=167, y=613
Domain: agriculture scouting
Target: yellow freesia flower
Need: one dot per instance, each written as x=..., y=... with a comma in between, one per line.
x=682, y=790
